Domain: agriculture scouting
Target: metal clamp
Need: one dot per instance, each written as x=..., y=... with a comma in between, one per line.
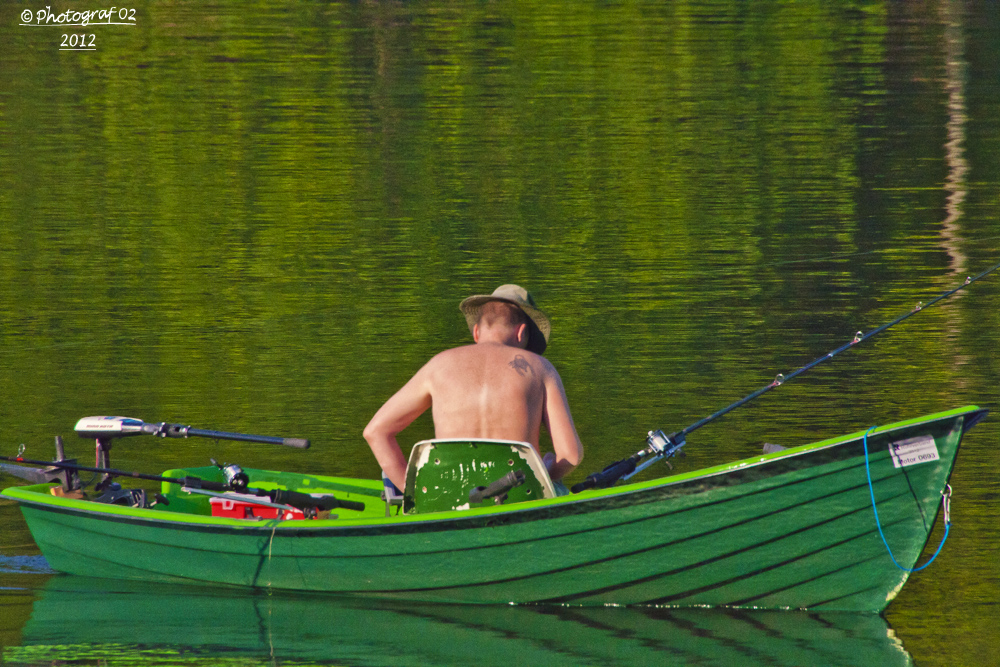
x=946, y=504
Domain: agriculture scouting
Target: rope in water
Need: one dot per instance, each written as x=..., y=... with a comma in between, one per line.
x=945, y=501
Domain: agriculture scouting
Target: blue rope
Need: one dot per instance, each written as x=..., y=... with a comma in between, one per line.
x=871, y=490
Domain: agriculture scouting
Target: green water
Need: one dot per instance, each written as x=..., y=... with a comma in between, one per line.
x=261, y=217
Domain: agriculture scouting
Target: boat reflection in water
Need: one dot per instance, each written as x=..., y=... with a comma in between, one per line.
x=118, y=622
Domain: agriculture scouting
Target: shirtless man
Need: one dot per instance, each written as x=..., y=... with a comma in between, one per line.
x=500, y=387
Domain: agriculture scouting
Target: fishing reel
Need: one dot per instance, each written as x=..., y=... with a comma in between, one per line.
x=236, y=479
x=664, y=446
x=658, y=446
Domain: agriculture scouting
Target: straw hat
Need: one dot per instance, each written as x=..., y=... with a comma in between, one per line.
x=539, y=326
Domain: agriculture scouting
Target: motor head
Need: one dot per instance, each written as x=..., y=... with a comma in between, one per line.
x=106, y=428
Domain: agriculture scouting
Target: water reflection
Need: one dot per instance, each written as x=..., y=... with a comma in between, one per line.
x=75, y=618
x=262, y=219
x=955, y=75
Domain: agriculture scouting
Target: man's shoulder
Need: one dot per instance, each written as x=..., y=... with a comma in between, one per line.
x=452, y=353
x=538, y=360
x=549, y=369
x=449, y=357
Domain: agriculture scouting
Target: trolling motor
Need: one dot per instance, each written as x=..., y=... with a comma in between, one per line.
x=105, y=429
x=236, y=481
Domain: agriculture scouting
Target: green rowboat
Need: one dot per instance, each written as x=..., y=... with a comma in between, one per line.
x=792, y=529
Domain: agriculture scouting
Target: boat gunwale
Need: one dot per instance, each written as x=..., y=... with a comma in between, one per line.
x=583, y=503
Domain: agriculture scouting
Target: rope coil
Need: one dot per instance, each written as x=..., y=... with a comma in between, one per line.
x=945, y=502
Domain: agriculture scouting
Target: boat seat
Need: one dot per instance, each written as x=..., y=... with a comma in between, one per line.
x=442, y=473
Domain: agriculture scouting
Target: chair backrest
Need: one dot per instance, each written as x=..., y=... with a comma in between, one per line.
x=442, y=473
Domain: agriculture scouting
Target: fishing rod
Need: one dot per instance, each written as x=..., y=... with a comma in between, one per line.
x=662, y=446
x=236, y=481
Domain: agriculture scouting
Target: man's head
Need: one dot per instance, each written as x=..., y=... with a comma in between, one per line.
x=509, y=306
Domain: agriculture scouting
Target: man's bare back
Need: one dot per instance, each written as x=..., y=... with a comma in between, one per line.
x=488, y=390
x=495, y=388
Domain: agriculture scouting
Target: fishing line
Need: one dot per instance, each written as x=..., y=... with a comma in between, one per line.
x=837, y=256
x=834, y=257
x=269, y=543
x=859, y=337
x=945, y=500
x=662, y=446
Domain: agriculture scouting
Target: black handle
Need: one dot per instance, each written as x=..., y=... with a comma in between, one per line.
x=500, y=486
x=304, y=500
x=198, y=483
x=351, y=505
x=607, y=477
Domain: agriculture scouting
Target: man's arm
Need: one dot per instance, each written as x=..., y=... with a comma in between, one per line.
x=559, y=421
x=398, y=412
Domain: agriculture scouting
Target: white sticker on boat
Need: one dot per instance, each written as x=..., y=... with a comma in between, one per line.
x=921, y=449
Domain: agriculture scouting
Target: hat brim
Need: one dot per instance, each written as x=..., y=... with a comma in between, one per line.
x=539, y=326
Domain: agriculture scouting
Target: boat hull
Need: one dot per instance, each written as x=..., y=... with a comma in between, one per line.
x=794, y=529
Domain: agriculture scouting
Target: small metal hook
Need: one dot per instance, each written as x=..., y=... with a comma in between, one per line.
x=778, y=379
x=20, y=451
x=968, y=280
x=920, y=306
x=858, y=336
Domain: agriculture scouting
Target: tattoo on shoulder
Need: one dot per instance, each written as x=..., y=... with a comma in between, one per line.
x=521, y=365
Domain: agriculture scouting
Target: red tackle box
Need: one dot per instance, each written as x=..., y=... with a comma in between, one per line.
x=243, y=506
